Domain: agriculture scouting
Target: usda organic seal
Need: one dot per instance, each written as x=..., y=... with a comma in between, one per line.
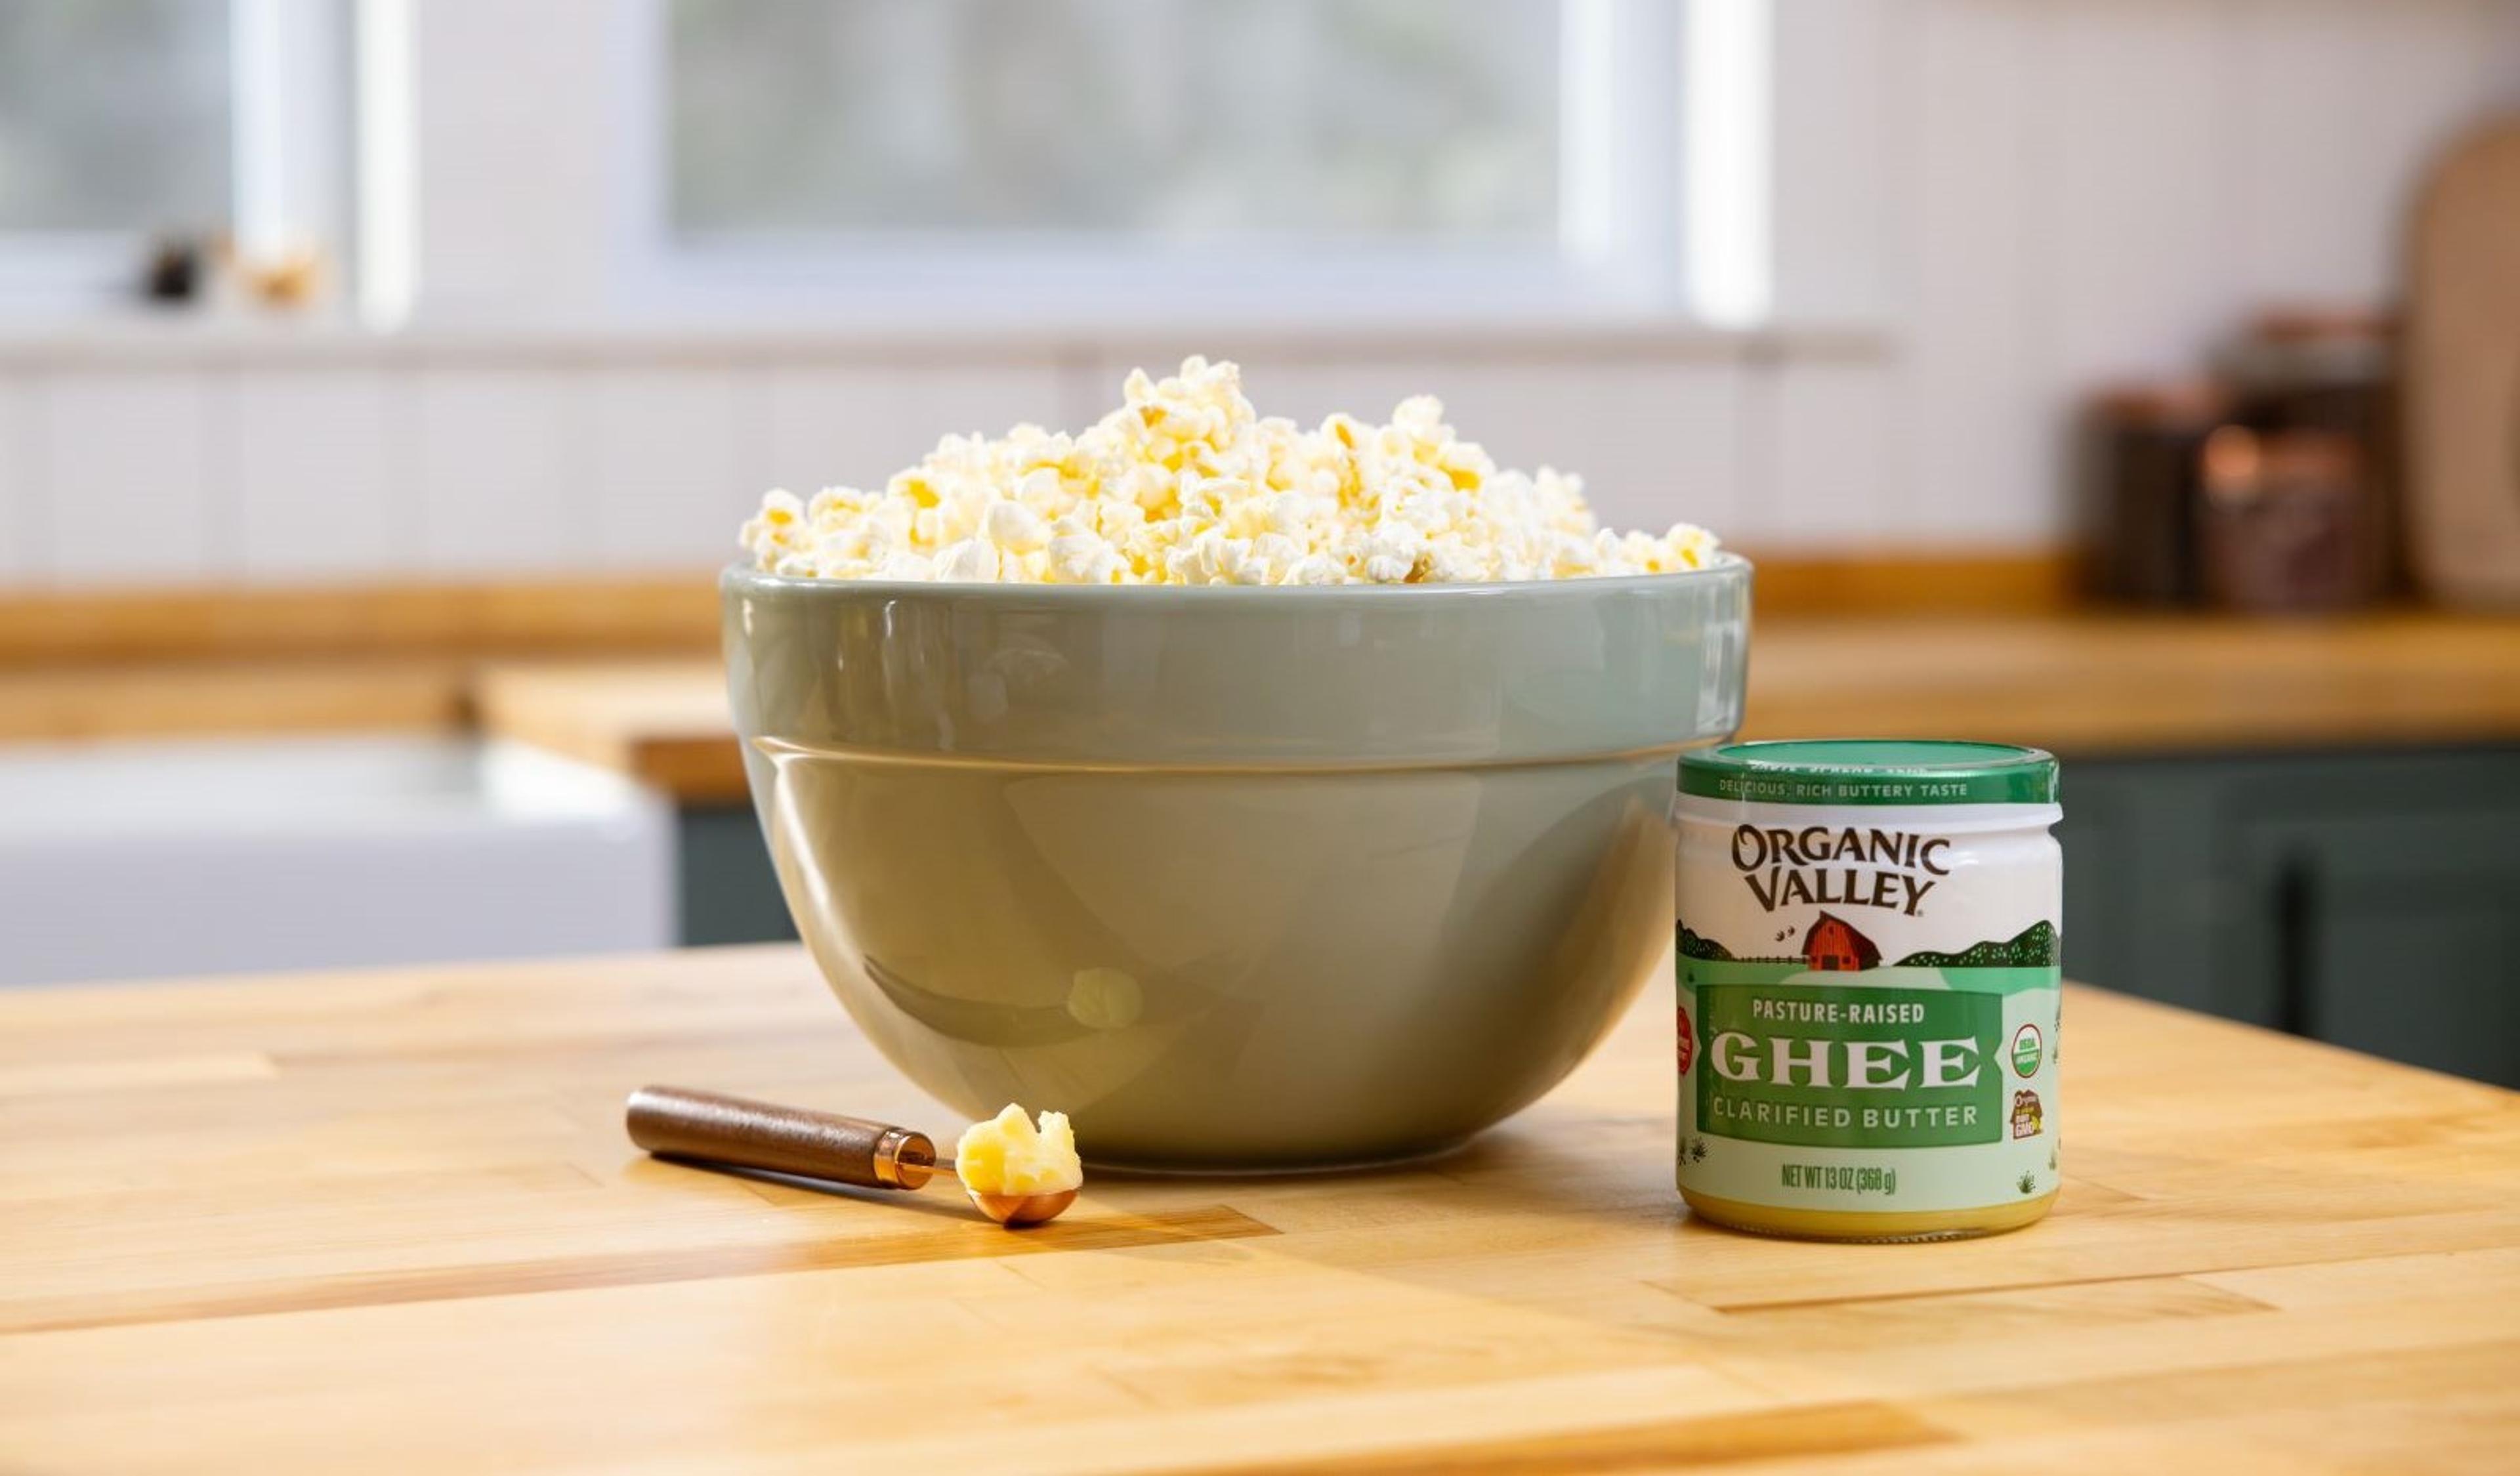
x=1869, y=986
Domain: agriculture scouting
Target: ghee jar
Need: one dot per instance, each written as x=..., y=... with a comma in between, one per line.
x=1869, y=1000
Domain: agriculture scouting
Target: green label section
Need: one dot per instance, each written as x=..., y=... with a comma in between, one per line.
x=1868, y=1066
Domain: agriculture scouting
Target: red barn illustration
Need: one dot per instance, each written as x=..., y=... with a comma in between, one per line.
x=1833, y=946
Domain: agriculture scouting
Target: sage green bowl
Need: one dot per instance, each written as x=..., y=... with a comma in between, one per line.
x=1239, y=878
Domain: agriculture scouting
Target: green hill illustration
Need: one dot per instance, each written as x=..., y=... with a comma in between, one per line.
x=1692, y=946
x=2034, y=946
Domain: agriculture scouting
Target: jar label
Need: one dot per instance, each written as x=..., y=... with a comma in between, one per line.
x=1835, y=1080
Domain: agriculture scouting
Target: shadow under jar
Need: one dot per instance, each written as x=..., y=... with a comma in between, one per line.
x=1242, y=880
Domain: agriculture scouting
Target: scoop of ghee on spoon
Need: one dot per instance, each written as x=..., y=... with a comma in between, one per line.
x=1020, y=1170
x=1015, y=1170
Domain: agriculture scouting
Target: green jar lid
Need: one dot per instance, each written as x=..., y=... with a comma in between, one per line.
x=1871, y=772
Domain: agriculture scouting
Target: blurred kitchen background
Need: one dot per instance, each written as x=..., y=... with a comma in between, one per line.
x=382, y=379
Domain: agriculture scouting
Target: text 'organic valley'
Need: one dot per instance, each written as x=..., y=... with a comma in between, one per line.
x=1845, y=867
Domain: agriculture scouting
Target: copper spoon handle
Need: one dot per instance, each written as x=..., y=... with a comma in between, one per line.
x=676, y=1122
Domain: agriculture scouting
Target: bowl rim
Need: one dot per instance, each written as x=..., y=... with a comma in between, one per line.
x=740, y=576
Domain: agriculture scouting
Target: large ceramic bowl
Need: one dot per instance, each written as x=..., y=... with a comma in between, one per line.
x=1240, y=879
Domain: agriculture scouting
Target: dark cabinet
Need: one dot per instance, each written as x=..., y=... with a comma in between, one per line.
x=727, y=889
x=2371, y=900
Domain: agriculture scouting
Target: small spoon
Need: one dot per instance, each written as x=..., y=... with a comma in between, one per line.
x=705, y=1127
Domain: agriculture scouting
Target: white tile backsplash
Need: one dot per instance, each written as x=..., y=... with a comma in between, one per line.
x=2325, y=176
x=503, y=483
x=1833, y=161
x=322, y=488
x=667, y=465
x=2135, y=215
x=1657, y=442
x=1835, y=484
x=1966, y=432
x=21, y=514
x=855, y=424
x=136, y=485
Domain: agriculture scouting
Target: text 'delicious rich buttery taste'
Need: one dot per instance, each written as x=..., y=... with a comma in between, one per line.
x=1867, y=987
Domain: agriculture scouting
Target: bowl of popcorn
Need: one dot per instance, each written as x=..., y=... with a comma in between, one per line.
x=1261, y=797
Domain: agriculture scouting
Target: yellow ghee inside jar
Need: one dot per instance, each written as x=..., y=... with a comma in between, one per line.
x=1869, y=990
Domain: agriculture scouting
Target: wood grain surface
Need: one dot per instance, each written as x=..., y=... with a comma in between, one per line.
x=388, y=1221
x=220, y=698
x=2094, y=683
x=2079, y=684
x=665, y=723
x=368, y=621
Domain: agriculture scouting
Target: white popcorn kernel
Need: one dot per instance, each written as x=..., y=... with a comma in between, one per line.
x=1015, y=526
x=1421, y=417
x=1276, y=554
x=1572, y=556
x=973, y=560
x=1316, y=569
x=1039, y=487
x=1392, y=552
x=1213, y=558
x=1452, y=562
x=1085, y=559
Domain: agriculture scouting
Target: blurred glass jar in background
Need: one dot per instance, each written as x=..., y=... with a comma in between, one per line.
x=2331, y=369
x=2283, y=523
x=2141, y=450
x=2267, y=486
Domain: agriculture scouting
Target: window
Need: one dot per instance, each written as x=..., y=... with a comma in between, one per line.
x=126, y=119
x=1195, y=120
x=114, y=116
x=1130, y=150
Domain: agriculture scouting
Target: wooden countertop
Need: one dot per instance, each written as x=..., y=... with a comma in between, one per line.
x=227, y=698
x=665, y=723
x=389, y=1221
x=2079, y=684
x=2100, y=683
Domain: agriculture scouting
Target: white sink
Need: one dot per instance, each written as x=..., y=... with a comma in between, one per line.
x=131, y=860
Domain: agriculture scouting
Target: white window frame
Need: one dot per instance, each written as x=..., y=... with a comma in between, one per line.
x=292, y=124
x=288, y=136
x=49, y=269
x=1619, y=254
